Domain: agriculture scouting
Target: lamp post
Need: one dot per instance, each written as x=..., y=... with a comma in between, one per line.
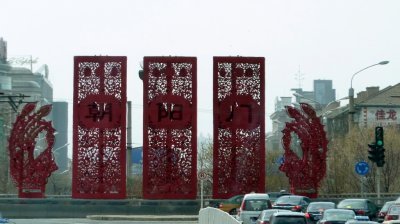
x=351, y=94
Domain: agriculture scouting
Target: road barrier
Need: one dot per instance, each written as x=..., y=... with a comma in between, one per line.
x=211, y=215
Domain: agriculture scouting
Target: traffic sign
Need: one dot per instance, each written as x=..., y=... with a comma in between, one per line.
x=202, y=175
x=362, y=168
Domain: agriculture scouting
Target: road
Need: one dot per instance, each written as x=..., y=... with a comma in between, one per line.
x=88, y=221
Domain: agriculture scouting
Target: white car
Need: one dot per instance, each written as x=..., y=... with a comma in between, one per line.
x=252, y=206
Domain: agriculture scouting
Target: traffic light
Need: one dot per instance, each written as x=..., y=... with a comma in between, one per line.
x=380, y=151
x=373, y=153
x=379, y=136
x=380, y=160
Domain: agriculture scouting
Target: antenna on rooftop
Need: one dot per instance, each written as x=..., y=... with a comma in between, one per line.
x=299, y=77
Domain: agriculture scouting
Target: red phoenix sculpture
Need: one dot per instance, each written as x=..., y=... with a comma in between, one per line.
x=99, y=130
x=239, y=126
x=304, y=172
x=169, y=128
x=28, y=170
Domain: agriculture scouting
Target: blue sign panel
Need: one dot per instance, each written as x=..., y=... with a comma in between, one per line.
x=362, y=168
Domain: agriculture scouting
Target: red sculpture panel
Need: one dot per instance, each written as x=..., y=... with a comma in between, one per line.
x=29, y=167
x=239, y=126
x=304, y=172
x=99, y=152
x=169, y=130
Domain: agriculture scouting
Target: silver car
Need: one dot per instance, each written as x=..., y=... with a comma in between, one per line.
x=252, y=206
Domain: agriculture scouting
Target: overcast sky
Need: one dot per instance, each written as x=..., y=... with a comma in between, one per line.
x=320, y=39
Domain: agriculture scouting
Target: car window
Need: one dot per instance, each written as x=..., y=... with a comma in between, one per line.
x=394, y=210
x=339, y=216
x=239, y=199
x=289, y=220
x=288, y=200
x=256, y=204
x=319, y=206
x=386, y=206
x=352, y=204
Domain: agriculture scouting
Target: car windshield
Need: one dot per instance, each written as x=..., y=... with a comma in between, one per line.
x=338, y=215
x=352, y=204
x=290, y=220
x=267, y=214
x=394, y=210
x=319, y=206
x=387, y=205
x=256, y=204
x=288, y=200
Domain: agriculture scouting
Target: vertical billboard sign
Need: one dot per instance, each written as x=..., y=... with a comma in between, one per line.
x=239, y=126
x=169, y=129
x=99, y=130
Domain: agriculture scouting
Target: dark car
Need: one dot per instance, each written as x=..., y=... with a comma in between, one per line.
x=336, y=216
x=288, y=218
x=360, y=207
x=382, y=213
x=295, y=203
x=266, y=215
x=275, y=195
x=316, y=209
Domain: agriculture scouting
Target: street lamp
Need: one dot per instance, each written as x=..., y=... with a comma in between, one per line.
x=351, y=93
x=316, y=103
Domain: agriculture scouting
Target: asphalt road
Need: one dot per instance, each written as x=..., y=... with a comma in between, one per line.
x=89, y=221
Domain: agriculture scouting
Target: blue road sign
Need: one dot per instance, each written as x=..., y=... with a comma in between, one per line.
x=362, y=168
x=280, y=160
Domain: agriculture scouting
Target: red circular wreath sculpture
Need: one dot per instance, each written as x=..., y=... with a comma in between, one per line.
x=30, y=171
x=305, y=173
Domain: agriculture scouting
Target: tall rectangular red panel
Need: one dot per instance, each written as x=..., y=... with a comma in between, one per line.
x=99, y=130
x=169, y=129
x=239, y=126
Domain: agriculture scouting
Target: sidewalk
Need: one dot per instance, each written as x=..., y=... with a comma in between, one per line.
x=145, y=217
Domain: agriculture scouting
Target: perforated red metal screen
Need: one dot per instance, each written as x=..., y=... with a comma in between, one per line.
x=99, y=146
x=169, y=130
x=239, y=126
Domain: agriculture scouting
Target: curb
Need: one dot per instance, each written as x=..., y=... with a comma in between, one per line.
x=145, y=217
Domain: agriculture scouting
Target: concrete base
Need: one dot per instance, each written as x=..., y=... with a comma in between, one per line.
x=81, y=208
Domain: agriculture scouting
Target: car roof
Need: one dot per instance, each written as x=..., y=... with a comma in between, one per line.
x=338, y=209
x=321, y=202
x=256, y=196
x=289, y=213
x=355, y=199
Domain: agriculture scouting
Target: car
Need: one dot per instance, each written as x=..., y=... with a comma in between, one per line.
x=230, y=205
x=360, y=222
x=251, y=207
x=360, y=207
x=337, y=216
x=266, y=215
x=315, y=209
x=393, y=213
x=288, y=217
x=295, y=203
x=382, y=213
x=275, y=195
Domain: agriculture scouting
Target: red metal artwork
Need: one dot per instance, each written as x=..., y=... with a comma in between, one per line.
x=99, y=131
x=307, y=168
x=28, y=167
x=169, y=130
x=239, y=126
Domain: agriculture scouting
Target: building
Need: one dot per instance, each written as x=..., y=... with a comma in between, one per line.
x=373, y=107
x=321, y=98
x=60, y=123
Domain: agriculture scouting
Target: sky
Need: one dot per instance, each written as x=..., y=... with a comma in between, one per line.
x=311, y=39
